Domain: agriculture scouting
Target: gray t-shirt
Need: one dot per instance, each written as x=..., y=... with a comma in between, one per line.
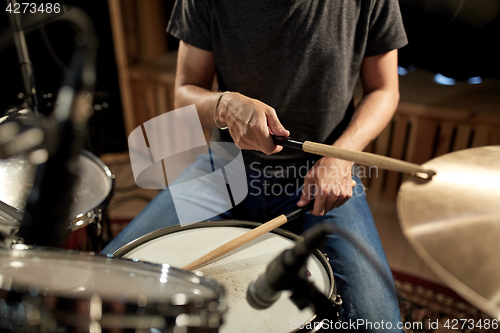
x=301, y=57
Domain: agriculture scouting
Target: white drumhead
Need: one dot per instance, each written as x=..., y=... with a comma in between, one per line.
x=235, y=271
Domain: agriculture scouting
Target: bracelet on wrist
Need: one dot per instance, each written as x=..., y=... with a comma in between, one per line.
x=216, y=116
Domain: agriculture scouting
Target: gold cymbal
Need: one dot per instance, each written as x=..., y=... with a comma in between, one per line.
x=453, y=222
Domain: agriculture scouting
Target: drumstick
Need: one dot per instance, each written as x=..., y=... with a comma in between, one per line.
x=252, y=234
x=249, y=236
x=380, y=161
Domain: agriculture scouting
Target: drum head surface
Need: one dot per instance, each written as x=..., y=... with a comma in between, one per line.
x=94, y=186
x=81, y=276
x=17, y=176
x=235, y=271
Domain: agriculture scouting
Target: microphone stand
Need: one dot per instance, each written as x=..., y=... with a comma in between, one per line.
x=45, y=220
x=305, y=294
x=288, y=272
x=24, y=59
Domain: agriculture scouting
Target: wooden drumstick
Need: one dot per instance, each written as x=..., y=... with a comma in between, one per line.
x=383, y=162
x=251, y=235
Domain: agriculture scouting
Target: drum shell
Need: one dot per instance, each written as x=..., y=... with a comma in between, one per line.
x=91, y=198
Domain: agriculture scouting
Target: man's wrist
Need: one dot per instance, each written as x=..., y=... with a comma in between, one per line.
x=218, y=118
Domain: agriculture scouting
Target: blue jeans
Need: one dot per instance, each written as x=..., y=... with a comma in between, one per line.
x=364, y=280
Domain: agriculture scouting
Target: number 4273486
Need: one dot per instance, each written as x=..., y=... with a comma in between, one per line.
x=29, y=7
x=455, y=324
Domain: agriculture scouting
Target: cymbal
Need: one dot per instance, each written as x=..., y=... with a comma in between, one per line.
x=453, y=222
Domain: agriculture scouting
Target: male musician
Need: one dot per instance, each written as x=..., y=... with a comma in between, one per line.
x=290, y=67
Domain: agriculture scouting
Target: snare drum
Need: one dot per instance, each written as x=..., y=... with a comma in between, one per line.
x=66, y=291
x=90, y=198
x=178, y=246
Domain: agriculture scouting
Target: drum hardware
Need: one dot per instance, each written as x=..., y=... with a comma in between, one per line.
x=180, y=244
x=76, y=292
x=18, y=135
x=24, y=59
x=49, y=202
x=16, y=113
x=288, y=272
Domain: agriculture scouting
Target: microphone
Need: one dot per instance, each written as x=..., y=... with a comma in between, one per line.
x=284, y=269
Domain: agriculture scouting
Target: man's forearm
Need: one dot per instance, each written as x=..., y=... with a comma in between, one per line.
x=369, y=119
x=203, y=99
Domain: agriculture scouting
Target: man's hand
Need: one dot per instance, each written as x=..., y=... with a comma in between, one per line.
x=250, y=123
x=330, y=182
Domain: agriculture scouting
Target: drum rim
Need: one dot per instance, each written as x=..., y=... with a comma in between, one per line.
x=99, y=162
x=56, y=254
x=158, y=307
x=88, y=217
x=227, y=223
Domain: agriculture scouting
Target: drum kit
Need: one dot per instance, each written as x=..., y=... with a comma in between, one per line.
x=448, y=209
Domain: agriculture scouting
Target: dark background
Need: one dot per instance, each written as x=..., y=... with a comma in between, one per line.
x=106, y=128
x=458, y=39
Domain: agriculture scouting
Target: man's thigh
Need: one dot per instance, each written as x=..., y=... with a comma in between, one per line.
x=358, y=260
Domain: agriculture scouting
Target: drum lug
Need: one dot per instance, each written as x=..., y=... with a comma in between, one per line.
x=98, y=215
x=98, y=226
x=326, y=257
x=14, y=242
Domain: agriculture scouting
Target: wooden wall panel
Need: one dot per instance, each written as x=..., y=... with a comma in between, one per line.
x=494, y=136
x=462, y=137
x=397, y=150
x=381, y=147
x=151, y=28
x=421, y=140
x=421, y=133
x=444, y=140
x=481, y=134
x=122, y=63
